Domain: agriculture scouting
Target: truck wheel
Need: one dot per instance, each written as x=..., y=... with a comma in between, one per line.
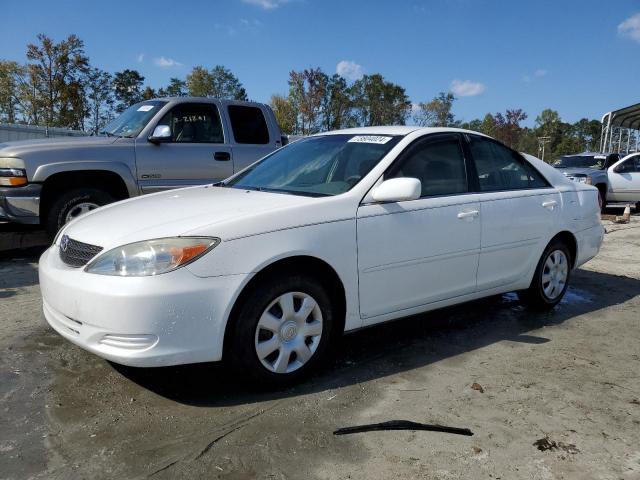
x=72, y=204
x=602, y=197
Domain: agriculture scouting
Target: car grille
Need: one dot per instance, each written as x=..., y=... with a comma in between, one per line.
x=75, y=253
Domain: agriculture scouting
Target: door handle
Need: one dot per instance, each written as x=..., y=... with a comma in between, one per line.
x=471, y=214
x=551, y=204
x=222, y=156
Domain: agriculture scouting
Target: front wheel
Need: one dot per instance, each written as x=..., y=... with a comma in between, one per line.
x=551, y=278
x=282, y=330
x=73, y=203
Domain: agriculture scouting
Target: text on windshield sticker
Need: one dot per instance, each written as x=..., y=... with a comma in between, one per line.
x=370, y=139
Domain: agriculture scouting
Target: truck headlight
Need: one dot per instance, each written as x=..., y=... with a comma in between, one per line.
x=151, y=257
x=12, y=177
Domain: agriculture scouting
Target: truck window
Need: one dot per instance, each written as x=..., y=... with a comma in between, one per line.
x=248, y=125
x=194, y=123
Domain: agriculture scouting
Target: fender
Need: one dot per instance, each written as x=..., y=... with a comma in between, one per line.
x=121, y=169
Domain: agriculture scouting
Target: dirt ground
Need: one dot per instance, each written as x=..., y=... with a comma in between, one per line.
x=570, y=378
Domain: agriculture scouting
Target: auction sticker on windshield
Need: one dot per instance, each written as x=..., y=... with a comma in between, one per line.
x=145, y=108
x=370, y=139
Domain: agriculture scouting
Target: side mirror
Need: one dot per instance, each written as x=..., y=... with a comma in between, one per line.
x=397, y=190
x=162, y=133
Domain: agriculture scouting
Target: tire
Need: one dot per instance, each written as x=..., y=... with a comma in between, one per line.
x=537, y=295
x=74, y=201
x=602, y=197
x=250, y=336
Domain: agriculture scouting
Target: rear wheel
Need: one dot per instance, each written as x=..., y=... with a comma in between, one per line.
x=551, y=278
x=283, y=330
x=72, y=204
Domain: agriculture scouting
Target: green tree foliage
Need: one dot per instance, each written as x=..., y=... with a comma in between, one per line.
x=176, y=88
x=379, y=102
x=54, y=81
x=285, y=114
x=100, y=99
x=307, y=90
x=127, y=86
x=437, y=112
x=219, y=82
x=10, y=76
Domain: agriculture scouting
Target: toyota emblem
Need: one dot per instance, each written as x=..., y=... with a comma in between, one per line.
x=64, y=243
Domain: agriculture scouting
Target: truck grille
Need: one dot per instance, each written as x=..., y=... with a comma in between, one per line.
x=75, y=253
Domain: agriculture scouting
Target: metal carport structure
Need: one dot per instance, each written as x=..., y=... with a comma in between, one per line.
x=618, y=123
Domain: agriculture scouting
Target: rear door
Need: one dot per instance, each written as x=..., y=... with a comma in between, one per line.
x=417, y=252
x=199, y=151
x=519, y=211
x=624, y=179
x=252, y=136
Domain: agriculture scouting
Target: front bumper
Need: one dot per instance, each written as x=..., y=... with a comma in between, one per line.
x=162, y=320
x=21, y=204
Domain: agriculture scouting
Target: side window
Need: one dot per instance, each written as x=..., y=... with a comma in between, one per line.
x=499, y=168
x=194, y=123
x=439, y=165
x=248, y=125
x=630, y=166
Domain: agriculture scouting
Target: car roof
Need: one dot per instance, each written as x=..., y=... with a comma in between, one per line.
x=205, y=100
x=396, y=130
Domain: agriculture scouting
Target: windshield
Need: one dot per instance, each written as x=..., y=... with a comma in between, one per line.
x=580, y=161
x=317, y=166
x=133, y=119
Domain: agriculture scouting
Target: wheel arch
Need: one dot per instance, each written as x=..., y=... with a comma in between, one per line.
x=105, y=179
x=287, y=265
x=570, y=241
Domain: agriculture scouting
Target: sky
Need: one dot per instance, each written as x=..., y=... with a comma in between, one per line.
x=577, y=57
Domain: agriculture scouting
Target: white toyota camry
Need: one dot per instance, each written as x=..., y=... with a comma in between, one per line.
x=332, y=233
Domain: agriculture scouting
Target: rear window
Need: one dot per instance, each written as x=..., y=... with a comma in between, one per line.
x=248, y=125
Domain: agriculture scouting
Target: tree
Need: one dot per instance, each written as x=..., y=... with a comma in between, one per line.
x=127, y=86
x=507, y=128
x=219, y=82
x=176, y=88
x=148, y=93
x=307, y=90
x=55, y=83
x=437, y=112
x=10, y=76
x=100, y=99
x=285, y=114
x=337, y=104
x=379, y=102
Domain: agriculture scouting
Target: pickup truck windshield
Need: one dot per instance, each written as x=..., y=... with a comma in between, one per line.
x=316, y=166
x=133, y=119
x=580, y=161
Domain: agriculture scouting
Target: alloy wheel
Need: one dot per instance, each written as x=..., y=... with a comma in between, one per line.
x=554, y=274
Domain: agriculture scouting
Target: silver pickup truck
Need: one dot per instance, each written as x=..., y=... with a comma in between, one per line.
x=152, y=146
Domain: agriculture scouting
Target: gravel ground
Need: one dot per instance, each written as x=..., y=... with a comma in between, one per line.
x=569, y=378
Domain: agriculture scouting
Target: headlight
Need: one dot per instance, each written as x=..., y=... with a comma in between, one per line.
x=151, y=257
x=580, y=179
x=12, y=177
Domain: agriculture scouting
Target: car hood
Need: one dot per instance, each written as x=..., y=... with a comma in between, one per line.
x=24, y=147
x=579, y=171
x=226, y=213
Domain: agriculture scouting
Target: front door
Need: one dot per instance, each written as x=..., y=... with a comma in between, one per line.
x=624, y=179
x=417, y=252
x=198, y=152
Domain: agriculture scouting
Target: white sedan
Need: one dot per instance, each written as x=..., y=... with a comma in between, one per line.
x=330, y=234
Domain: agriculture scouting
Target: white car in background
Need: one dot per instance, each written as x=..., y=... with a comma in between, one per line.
x=624, y=179
x=329, y=234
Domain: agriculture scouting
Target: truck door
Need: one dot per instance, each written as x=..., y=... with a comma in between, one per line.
x=252, y=138
x=198, y=153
